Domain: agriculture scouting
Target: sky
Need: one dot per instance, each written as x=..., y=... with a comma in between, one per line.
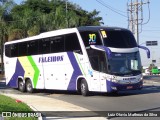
x=150, y=31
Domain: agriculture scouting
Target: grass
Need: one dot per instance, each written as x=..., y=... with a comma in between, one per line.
x=8, y=104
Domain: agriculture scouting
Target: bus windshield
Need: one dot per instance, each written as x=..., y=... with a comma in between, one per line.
x=125, y=64
x=118, y=39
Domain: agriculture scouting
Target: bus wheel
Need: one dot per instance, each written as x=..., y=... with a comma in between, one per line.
x=84, y=88
x=29, y=87
x=21, y=86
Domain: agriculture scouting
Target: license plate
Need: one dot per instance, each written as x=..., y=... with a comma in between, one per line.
x=129, y=87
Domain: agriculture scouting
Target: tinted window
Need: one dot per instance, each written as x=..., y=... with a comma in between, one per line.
x=119, y=39
x=72, y=43
x=98, y=60
x=22, y=49
x=44, y=46
x=14, y=50
x=57, y=44
x=91, y=38
x=33, y=47
x=7, y=50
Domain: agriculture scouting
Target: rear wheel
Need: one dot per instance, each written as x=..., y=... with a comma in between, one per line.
x=84, y=88
x=29, y=87
x=21, y=86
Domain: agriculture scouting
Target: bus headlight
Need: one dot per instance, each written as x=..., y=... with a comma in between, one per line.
x=114, y=80
x=141, y=78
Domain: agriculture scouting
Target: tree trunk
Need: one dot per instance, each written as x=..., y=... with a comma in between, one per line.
x=2, y=62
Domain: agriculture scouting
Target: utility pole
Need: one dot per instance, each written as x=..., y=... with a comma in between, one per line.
x=135, y=16
x=137, y=20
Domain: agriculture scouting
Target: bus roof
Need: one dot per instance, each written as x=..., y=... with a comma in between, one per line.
x=45, y=34
x=65, y=31
x=97, y=28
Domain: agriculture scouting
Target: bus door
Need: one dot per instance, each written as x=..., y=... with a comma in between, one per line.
x=103, y=82
x=94, y=73
x=95, y=81
x=99, y=65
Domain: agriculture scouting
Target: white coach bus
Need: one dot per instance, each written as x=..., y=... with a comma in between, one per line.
x=83, y=59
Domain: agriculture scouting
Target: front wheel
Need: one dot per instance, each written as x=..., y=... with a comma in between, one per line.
x=84, y=88
x=29, y=87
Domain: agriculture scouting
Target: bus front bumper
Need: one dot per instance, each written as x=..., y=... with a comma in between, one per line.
x=112, y=87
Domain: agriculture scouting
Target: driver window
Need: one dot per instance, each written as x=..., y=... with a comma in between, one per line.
x=98, y=60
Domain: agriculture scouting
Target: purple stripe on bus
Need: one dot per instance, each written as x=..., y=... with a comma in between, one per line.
x=19, y=71
x=122, y=87
x=76, y=72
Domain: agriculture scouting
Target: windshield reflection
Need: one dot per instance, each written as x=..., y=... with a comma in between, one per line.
x=125, y=64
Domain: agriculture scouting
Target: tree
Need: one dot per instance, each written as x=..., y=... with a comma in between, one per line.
x=47, y=15
x=32, y=17
x=5, y=8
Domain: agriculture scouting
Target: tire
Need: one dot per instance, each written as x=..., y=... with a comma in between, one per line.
x=21, y=86
x=29, y=87
x=84, y=88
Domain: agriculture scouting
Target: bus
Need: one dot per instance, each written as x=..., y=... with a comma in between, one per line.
x=83, y=59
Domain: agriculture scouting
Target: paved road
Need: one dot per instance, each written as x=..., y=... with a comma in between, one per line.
x=146, y=99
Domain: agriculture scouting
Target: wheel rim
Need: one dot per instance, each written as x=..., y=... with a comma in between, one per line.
x=21, y=85
x=83, y=88
x=29, y=87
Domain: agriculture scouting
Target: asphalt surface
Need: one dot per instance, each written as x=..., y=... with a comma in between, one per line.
x=49, y=108
x=62, y=101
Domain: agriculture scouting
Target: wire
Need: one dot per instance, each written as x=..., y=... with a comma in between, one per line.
x=105, y=5
x=112, y=7
x=153, y=27
x=148, y=36
x=149, y=14
x=152, y=30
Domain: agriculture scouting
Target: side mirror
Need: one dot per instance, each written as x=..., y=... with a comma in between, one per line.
x=147, y=50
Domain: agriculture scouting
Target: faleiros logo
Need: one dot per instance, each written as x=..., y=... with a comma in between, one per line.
x=51, y=59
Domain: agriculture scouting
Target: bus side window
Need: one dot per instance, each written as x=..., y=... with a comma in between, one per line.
x=98, y=60
x=57, y=44
x=44, y=46
x=22, y=49
x=72, y=43
x=33, y=47
x=8, y=50
x=14, y=50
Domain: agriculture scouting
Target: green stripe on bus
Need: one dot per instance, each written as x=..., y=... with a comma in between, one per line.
x=80, y=64
x=36, y=71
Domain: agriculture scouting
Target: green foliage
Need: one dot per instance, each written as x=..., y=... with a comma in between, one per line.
x=16, y=34
x=36, y=16
x=33, y=31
